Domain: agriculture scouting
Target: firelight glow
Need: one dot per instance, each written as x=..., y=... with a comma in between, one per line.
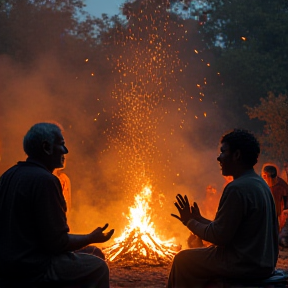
x=139, y=241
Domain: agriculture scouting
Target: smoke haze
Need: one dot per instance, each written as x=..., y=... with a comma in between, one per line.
x=178, y=160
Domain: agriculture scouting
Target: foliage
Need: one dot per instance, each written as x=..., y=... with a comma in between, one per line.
x=273, y=110
x=249, y=40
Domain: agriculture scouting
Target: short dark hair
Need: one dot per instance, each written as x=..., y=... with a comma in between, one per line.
x=37, y=134
x=270, y=170
x=246, y=142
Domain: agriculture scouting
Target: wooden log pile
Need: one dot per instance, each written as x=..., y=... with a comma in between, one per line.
x=142, y=248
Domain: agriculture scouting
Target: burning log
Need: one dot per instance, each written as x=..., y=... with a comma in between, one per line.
x=139, y=243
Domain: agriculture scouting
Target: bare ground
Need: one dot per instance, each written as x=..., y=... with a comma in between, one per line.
x=139, y=276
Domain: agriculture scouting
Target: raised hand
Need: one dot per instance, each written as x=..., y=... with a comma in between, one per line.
x=97, y=236
x=195, y=211
x=183, y=208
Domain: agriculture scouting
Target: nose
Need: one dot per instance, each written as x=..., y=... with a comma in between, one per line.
x=65, y=150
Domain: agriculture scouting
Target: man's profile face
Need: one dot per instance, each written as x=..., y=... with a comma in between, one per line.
x=58, y=152
x=226, y=160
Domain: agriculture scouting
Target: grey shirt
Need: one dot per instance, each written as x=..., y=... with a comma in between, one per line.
x=245, y=229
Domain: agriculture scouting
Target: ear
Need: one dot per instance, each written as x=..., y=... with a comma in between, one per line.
x=47, y=148
x=236, y=155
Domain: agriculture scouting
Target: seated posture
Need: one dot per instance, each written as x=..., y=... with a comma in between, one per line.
x=35, y=243
x=279, y=190
x=244, y=232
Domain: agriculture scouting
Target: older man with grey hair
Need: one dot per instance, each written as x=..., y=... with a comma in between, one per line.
x=35, y=243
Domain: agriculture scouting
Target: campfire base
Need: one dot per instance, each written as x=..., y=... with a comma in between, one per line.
x=142, y=249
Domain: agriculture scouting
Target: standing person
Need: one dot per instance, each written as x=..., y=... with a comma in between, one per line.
x=244, y=232
x=279, y=190
x=35, y=243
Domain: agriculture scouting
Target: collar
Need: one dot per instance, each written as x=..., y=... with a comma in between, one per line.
x=247, y=172
x=34, y=162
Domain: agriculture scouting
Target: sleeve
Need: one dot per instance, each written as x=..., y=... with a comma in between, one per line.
x=285, y=188
x=49, y=205
x=228, y=217
x=285, y=195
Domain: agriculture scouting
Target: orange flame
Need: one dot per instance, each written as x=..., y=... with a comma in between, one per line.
x=139, y=240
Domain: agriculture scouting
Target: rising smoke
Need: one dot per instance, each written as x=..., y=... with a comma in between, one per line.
x=101, y=119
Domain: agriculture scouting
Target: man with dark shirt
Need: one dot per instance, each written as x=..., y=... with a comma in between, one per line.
x=244, y=232
x=35, y=243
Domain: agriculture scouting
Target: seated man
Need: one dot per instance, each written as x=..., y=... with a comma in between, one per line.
x=35, y=243
x=245, y=230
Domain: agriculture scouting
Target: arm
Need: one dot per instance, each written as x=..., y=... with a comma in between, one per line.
x=76, y=241
x=285, y=200
x=51, y=222
x=197, y=215
x=284, y=190
x=223, y=228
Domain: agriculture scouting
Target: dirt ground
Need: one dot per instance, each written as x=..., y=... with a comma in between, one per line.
x=139, y=276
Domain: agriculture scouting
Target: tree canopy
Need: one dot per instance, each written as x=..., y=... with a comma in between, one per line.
x=273, y=111
x=239, y=55
x=249, y=40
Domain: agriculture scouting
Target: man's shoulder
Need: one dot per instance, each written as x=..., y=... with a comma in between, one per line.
x=282, y=182
x=247, y=181
x=27, y=169
x=247, y=177
x=9, y=171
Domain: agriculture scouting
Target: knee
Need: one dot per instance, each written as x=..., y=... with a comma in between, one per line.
x=104, y=267
x=102, y=271
x=179, y=259
x=180, y=255
x=93, y=250
x=98, y=252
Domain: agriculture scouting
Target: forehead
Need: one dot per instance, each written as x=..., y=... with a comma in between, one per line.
x=224, y=146
x=58, y=137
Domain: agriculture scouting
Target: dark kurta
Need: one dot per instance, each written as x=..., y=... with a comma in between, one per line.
x=33, y=222
x=244, y=234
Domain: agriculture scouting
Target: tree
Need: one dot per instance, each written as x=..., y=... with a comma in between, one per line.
x=273, y=110
x=249, y=40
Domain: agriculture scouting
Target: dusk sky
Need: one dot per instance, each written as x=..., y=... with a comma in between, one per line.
x=97, y=7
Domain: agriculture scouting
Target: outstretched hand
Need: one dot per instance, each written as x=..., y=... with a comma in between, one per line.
x=183, y=208
x=196, y=212
x=97, y=236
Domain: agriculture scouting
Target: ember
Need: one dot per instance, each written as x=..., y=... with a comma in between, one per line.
x=139, y=242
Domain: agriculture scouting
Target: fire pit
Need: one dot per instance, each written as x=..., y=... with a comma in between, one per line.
x=139, y=242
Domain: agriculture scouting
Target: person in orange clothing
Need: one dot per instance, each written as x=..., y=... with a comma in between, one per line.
x=284, y=171
x=279, y=190
x=66, y=186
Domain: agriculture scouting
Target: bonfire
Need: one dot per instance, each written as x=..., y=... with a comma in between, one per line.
x=139, y=242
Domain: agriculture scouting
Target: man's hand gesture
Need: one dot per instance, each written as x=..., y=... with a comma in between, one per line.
x=97, y=236
x=196, y=212
x=184, y=209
